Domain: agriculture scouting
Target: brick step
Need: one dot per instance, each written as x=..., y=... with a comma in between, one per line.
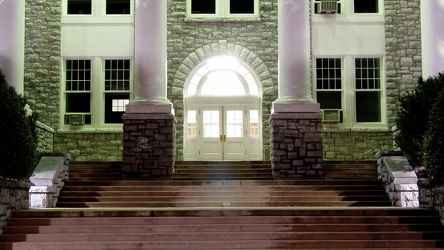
x=424, y=228
x=225, y=236
x=323, y=228
x=224, y=193
x=255, y=244
x=209, y=188
x=220, y=204
x=243, y=183
x=232, y=198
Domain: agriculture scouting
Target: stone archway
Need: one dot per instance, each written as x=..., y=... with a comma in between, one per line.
x=201, y=54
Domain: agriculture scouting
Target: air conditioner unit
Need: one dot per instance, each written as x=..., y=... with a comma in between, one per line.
x=76, y=119
x=331, y=115
x=328, y=7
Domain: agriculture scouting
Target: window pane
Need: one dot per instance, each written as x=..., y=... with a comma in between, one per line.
x=328, y=73
x=367, y=73
x=78, y=103
x=366, y=6
x=79, y=7
x=235, y=123
x=117, y=7
x=78, y=75
x=241, y=6
x=117, y=74
x=191, y=123
x=211, y=123
x=254, y=123
x=203, y=6
x=368, y=106
x=115, y=104
x=329, y=99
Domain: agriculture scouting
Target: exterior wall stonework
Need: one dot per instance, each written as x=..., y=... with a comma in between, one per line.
x=187, y=38
x=90, y=146
x=42, y=59
x=403, y=51
x=45, y=135
x=355, y=146
x=14, y=195
x=258, y=41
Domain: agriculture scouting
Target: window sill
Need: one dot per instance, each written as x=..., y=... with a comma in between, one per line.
x=89, y=130
x=341, y=18
x=340, y=128
x=99, y=20
x=221, y=19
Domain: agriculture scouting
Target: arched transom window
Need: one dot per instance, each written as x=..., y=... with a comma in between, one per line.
x=222, y=76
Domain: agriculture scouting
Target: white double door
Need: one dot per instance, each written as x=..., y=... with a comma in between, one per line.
x=223, y=133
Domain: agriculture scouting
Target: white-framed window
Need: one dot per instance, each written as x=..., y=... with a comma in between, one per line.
x=96, y=91
x=368, y=89
x=117, y=89
x=366, y=6
x=78, y=81
x=348, y=8
x=97, y=11
x=353, y=87
x=329, y=83
x=222, y=8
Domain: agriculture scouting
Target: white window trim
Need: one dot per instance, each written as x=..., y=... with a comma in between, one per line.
x=348, y=15
x=222, y=12
x=98, y=14
x=97, y=91
x=349, y=90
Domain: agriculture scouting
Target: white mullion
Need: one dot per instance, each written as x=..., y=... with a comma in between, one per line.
x=349, y=104
x=97, y=94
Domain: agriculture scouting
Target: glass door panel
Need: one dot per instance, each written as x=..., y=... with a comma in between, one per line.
x=211, y=148
x=235, y=123
x=211, y=123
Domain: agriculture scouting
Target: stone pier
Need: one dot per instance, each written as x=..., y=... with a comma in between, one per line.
x=296, y=124
x=148, y=123
x=148, y=148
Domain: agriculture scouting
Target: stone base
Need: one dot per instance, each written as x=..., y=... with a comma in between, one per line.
x=148, y=146
x=296, y=145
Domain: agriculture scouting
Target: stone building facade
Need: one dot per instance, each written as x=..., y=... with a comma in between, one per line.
x=192, y=41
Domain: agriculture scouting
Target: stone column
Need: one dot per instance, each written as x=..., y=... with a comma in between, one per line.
x=12, y=42
x=296, y=121
x=149, y=121
x=432, y=18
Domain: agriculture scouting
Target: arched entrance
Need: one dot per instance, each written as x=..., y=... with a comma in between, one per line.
x=223, y=118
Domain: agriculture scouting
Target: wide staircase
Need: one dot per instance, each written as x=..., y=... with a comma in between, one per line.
x=222, y=205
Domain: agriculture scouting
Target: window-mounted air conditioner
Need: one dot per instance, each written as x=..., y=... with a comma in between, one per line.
x=76, y=119
x=328, y=7
x=331, y=115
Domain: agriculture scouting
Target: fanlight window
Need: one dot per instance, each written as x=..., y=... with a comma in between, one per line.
x=222, y=76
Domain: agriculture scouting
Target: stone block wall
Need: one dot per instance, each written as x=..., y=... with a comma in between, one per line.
x=355, y=145
x=42, y=59
x=432, y=196
x=45, y=135
x=149, y=146
x=93, y=145
x=13, y=196
x=403, y=57
x=296, y=144
x=399, y=179
x=48, y=180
